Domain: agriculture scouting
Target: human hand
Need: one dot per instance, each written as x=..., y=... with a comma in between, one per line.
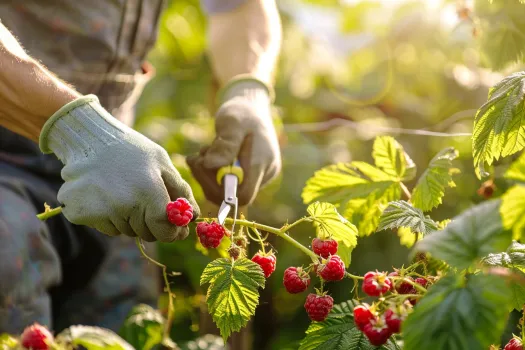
x=116, y=180
x=244, y=131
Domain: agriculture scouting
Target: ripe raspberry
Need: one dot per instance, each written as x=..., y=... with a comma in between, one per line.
x=514, y=344
x=266, y=261
x=210, y=234
x=362, y=315
x=318, y=306
x=422, y=281
x=403, y=287
x=376, y=283
x=394, y=319
x=180, y=212
x=36, y=337
x=377, y=331
x=324, y=248
x=333, y=269
x=295, y=280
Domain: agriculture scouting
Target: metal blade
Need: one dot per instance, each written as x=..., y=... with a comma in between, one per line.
x=223, y=212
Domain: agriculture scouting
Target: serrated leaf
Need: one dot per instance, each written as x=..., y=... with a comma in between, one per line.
x=469, y=237
x=92, y=338
x=499, y=125
x=390, y=157
x=513, y=210
x=233, y=293
x=338, y=332
x=329, y=223
x=516, y=171
x=458, y=313
x=430, y=187
x=402, y=214
x=407, y=237
x=143, y=327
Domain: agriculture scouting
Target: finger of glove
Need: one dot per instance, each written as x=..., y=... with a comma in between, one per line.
x=138, y=224
x=106, y=227
x=177, y=187
x=77, y=209
x=207, y=179
x=124, y=227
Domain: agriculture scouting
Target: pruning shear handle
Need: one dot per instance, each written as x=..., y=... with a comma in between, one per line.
x=231, y=176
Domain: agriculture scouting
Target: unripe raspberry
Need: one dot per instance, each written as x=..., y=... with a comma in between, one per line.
x=210, y=234
x=362, y=315
x=266, y=261
x=36, y=337
x=295, y=280
x=324, y=248
x=318, y=306
x=333, y=269
x=180, y=212
x=376, y=283
x=234, y=252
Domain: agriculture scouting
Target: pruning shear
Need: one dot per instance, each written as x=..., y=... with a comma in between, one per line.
x=231, y=176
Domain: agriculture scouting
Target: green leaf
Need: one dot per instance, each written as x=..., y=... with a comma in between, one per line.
x=390, y=157
x=233, y=293
x=407, y=237
x=459, y=313
x=143, y=328
x=329, y=223
x=499, y=125
x=338, y=332
x=513, y=259
x=205, y=342
x=92, y=338
x=430, y=187
x=402, y=214
x=513, y=210
x=469, y=237
x=516, y=171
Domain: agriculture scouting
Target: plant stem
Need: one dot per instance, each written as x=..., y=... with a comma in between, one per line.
x=354, y=277
x=49, y=213
x=413, y=284
x=405, y=191
x=288, y=227
x=259, y=238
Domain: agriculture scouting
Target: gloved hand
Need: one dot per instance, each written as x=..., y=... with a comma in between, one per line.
x=116, y=180
x=244, y=130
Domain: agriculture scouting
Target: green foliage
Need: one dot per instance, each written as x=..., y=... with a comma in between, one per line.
x=338, y=332
x=469, y=237
x=430, y=187
x=458, y=313
x=499, y=125
x=516, y=171
x=92, y=338
x=233, y=292
x=143, y=327
x=330, y=224
x=402, y=214
x=513, y=210
x=205, y=342
x=8, y=342
x=390, y=157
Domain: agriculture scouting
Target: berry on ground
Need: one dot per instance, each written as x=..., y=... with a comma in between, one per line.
x=266, y=262
x=377, y=331
x=210, y=234
x=376, y=283
x=180, y=212
x=318, y=306
x=333, y=269
x=36, y=337
x=514, y=344
x=362, y=315
x=295, y=280
x=401, y=286
x=324, y=247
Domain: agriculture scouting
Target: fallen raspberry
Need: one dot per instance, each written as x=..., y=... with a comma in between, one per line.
x=210, y=234
x=394, y=319
x=266, y=261
x=376, y=283
x=324, y=248
x=318, y=306
x=377, y=331
x=514, y=344
x=362, y=315
x=36, y=337
x=401, y=286
x=333, y=269
x=180, y=212
x=295, y=280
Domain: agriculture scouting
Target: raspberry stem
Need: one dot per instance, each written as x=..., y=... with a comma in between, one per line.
x=48, y=213
x=354, y=277
x=259, y=238
x=413, y=284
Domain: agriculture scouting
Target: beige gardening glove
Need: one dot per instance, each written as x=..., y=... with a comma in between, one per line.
x=244, y=131
x=116, y=180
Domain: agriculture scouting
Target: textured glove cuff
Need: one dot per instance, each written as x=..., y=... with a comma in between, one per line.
x=78, y=129
x=248, y=87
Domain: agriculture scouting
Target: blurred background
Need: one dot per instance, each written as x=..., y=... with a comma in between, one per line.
x=349, y=71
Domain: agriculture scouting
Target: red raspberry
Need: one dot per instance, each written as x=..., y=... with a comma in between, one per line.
x=362, y=315
x=377, y=331
x=394, y=320
x=210, y=234
x=295, y=280
x=376, y=283
x=318, y=306
x=422, y=281
x=403, y=287
x=180, y=212
x=324, y=248
x=514, y=344
x=36, y=337
x=333, y=269
x=266, y=261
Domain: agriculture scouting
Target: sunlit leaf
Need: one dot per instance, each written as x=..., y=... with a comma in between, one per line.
x=516, y=171
x=402, y=214
x=390, y=157
x=92, y=338
x=143, y=328
x=512, y=210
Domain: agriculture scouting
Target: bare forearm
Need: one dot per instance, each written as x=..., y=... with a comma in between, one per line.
x=29, y=94
x=246, y=41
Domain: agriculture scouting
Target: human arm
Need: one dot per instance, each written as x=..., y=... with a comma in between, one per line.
x=244, y=45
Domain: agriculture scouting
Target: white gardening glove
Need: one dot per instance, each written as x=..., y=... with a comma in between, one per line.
x=116, y=180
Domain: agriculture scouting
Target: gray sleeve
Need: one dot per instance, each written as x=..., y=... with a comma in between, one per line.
x=211, y=7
